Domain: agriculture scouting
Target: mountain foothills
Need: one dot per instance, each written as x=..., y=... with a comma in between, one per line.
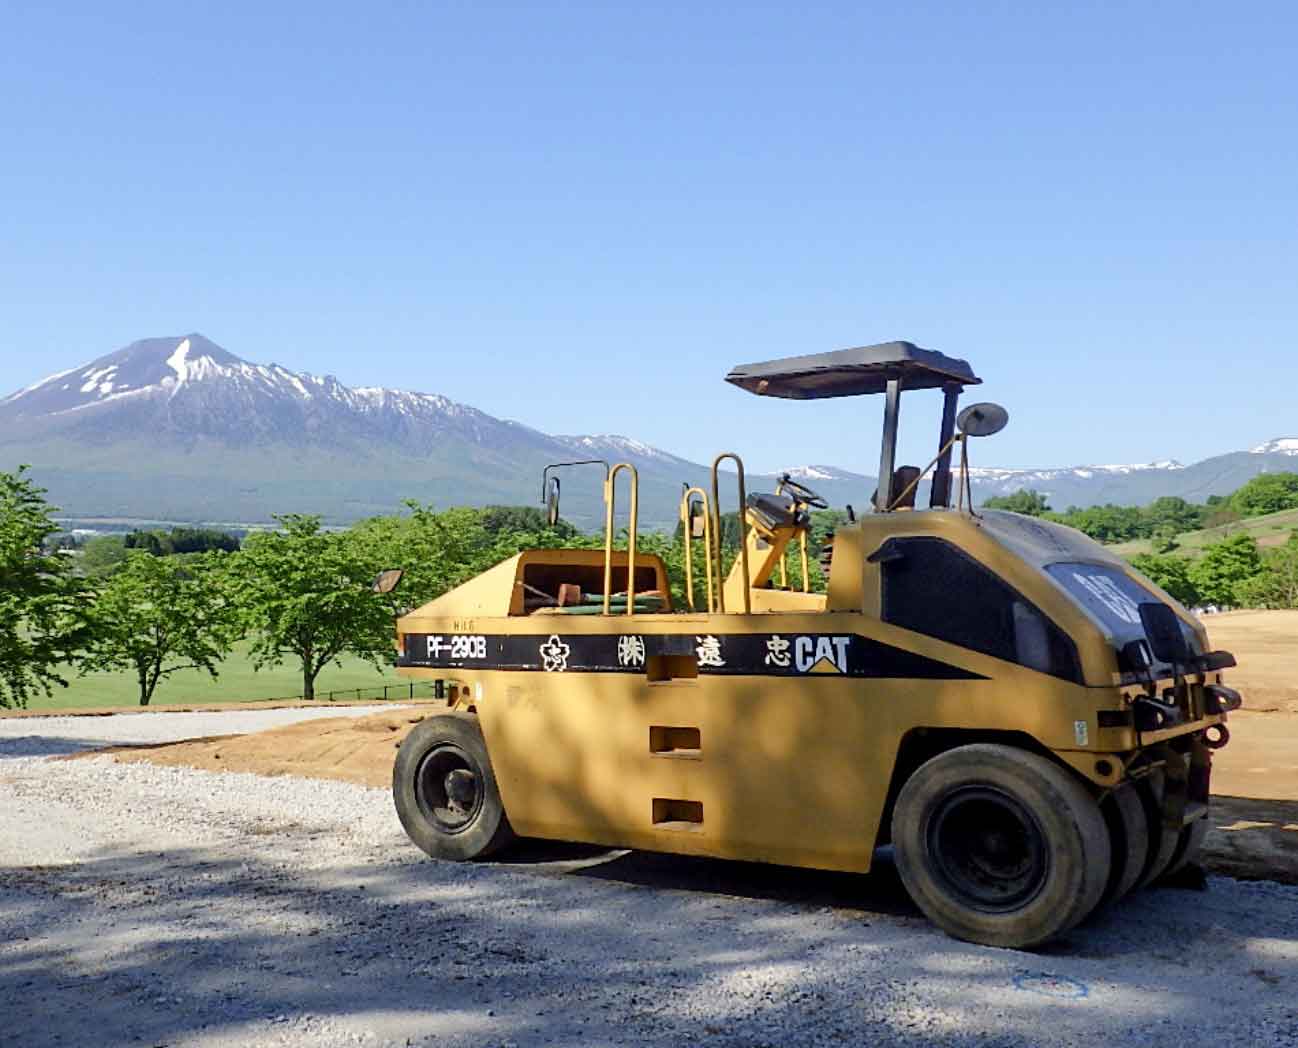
x=180, y=429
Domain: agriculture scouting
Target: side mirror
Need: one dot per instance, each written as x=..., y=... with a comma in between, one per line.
x=982, y=420
x=1163, y=631
x=552, y=503
x=387, y=581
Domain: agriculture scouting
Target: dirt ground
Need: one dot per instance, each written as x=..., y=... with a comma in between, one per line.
x=1255, y=778
x=1266, y=645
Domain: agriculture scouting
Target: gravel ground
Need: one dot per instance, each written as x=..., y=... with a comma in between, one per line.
x=150, y=905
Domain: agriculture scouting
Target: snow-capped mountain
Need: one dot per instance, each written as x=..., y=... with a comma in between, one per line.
x=1020, y=478
x=181, y=429
x=1124, y=484
x=190, y=389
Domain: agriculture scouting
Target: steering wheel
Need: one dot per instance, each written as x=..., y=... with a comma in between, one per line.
x=803, y=493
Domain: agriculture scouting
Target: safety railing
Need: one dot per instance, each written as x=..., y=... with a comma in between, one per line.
x=743, y=531
x=610, y=497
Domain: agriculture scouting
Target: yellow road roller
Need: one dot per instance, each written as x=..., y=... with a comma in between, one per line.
x=1022, y=717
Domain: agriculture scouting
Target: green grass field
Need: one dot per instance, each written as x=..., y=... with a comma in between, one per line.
x=1270, y=530
x=238, y=682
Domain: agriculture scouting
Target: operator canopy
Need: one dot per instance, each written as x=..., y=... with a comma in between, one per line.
x=852, y=372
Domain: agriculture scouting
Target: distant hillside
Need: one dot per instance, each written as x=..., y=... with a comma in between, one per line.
x=179, y=429
x=1271, y=529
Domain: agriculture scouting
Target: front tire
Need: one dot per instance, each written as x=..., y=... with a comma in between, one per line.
x=1000, y=846
x=1124, y=812
x=1188, y=846
x=445, y=791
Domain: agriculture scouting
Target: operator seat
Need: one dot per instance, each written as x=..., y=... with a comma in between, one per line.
x=774, y=511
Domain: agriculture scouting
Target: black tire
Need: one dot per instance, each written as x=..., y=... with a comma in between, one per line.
x=1162, y=841
x=1189, y=844
x=1000, y=846
x=1124, y=814
x=445, y=791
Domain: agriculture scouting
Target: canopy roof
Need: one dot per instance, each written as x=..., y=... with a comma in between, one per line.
x=852, y=372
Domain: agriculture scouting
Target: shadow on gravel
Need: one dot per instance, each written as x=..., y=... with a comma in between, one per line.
x=47, y=746
x=1253, y=839
x=879, y=891
x=194, y=946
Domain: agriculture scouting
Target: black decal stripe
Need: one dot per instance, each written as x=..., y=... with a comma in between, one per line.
x=741, y=654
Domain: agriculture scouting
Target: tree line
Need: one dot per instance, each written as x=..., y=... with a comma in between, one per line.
x=302, y=594
x=155, y=604
x=1165, y=518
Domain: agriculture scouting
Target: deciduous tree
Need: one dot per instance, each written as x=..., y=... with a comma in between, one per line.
x=1171, y=573
x=1276, y=585
x=38, y=595
x=1224, y=567
x=1031, y=503
x=156, y=616
x=1266, y=493
x=305, y=594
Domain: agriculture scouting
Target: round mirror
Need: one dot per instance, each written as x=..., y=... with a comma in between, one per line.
x=552, y=503
x=982, y=420
x=387, y=581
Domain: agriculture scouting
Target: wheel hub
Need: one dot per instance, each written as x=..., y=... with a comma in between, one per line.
x=988, y=848
x=448, y=788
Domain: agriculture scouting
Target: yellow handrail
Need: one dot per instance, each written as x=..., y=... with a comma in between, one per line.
x=743, y=536
x=689, y=546
x=610, y=494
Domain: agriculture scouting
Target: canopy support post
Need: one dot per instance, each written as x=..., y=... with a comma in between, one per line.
x=940, y=494
x=888, y=447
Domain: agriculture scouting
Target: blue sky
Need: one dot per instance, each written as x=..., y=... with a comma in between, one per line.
x=580, y=216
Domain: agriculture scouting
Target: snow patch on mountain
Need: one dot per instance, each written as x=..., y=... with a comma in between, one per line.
x=993, y=473
x=1278, y=446
x=177, y=362
x=615, y=447
x=817, y=473
x=43, y=382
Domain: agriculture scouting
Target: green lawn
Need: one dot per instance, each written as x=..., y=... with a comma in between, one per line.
x=1271, y=529
x=238, y=682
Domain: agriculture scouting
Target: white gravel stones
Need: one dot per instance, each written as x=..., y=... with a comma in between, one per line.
x=151, y=905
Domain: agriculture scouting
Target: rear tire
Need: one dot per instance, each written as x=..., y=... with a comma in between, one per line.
x=445, y=791
x=1000, y=846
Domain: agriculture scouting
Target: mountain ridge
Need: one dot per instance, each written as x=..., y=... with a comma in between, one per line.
x=181, y=424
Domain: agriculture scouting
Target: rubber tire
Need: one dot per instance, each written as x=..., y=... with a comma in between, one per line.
x=1188, y=846
x=1074, y=832
x=1124, y=814
x=489, y=831
x=1162, y=841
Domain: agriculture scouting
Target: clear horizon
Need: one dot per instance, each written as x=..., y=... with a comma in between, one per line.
x=580, y=218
